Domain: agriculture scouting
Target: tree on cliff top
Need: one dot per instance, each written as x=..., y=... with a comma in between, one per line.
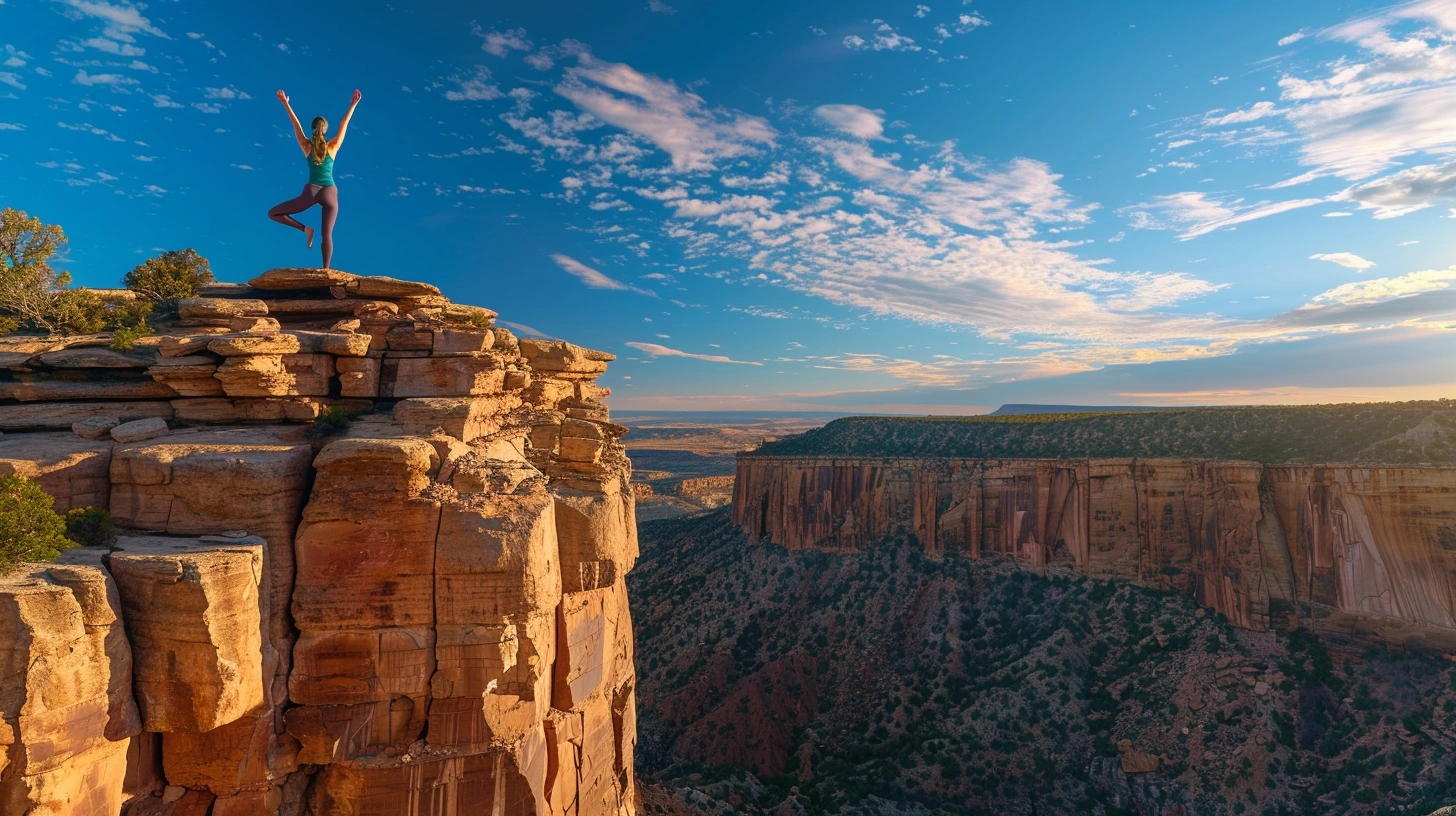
x=169, y=276
x=29, y=287
x=30, y=528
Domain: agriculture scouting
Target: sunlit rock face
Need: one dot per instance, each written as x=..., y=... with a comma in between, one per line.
x=418, y=610
x=1347, y=549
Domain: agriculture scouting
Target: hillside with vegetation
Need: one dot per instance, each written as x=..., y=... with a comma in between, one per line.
x=1392, y=433
x=886, y=681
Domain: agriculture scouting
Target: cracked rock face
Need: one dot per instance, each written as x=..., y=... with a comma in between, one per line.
x=1346, y=549
x=421, y=610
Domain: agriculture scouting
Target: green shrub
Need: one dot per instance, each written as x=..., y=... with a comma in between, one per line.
x=169, y=276
x=30, y=528
x=90, y=526
x=128, y=323
x=332, y=420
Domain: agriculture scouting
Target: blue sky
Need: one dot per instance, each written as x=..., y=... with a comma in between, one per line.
x=930, y=207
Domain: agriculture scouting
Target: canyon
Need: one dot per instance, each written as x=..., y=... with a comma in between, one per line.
x=1360, y=550
x=370, y=559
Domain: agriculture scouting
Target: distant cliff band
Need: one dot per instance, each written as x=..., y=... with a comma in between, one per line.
x=1366, y=551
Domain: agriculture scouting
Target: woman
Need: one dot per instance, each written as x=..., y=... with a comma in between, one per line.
x=320, y=188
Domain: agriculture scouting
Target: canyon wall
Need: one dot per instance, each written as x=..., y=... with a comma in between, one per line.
x=418, y=610
x=1368, y=551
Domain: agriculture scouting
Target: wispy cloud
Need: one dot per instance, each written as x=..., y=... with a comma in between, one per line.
x=1348, y=260
x=883, y=38
x=1193, y=214
x=859, y=122
x=678, y=122
x=591, y=277
x=1383, y=289
x=655, y=350
x=660, y=7
x=501, y=43
x=115, y=81
x=473, y=87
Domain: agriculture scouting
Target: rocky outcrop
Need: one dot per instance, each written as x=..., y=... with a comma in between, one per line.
x=1354, y=550
x=413, y=605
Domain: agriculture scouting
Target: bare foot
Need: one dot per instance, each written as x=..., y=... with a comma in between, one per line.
x=308, y=231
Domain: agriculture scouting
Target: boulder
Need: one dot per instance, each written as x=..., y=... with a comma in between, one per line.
x=139, y=430
x=256, y=325
x=466, y=418
x=96, y=428
x=193, y=614
x=564, y=357
x=1137, y=762
x=441, y=376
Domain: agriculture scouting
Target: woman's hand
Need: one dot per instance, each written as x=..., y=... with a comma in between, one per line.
x=354, y=100
x=283, y=97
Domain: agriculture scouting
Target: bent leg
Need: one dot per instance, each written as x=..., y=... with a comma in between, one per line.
x=283, y=213
x=328, y=199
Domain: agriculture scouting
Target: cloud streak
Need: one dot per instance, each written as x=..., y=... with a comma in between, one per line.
x=657, y=350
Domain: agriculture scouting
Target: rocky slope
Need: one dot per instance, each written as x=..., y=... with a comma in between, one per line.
x=422, y=613
x=1347, y=549
x=886, y=680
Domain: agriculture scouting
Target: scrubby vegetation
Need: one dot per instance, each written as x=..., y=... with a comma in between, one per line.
x=35, y=298
x=90, y=526
x=30, y=528
x=1373, y=433
x=890, y=682
x=330, y=421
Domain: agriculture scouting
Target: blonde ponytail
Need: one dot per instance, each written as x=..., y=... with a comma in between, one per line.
x=320, y=149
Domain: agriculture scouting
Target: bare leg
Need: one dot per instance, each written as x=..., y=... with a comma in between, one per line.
x=328, y=199
x=283, y=213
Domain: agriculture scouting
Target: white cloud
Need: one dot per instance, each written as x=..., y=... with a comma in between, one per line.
x=12, y=79
x=676, y=121
x=207, y=107
x=1258, y=111
x=501, y=43
x=660, y=7
x=656, y=350
x=1292, y=38
x=817, y=31
x=885, y=38
x=228, y=92
x=14, y=57
x=586, y=274
x=860, y=122
x=113, y=80
x=122, y=19
x=164, y=101
x=1405, y=191
x=1194, y=213
x=921, y=11
x=1346, y=259
x=1382, y=289
x=11, y=126
x=474, y=88
x=87, y=127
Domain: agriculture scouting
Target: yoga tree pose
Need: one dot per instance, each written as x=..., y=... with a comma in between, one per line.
x=320, y=188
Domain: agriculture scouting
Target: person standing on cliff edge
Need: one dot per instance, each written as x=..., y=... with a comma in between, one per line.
x=320, y=188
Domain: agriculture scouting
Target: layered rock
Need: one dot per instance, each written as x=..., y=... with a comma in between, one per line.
x=1344, y=549
x=422, y=613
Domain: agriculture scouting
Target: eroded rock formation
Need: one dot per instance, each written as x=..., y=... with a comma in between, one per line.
x=1362, y=550
x=423, y=612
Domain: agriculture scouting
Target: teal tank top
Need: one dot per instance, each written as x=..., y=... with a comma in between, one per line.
x=321, y=174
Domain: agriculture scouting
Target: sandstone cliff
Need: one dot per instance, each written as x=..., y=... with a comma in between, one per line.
x=423, y=613
x=1347, y=549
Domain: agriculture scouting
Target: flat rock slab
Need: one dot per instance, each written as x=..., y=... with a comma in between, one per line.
x=140, y=429
x=192, y=611
x=53, y=416
x=251, y=345
x=379, y=286
x=300, y=278
x=95, y=357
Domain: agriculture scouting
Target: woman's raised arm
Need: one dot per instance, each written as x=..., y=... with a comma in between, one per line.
x=338, y=141
x=297, y=128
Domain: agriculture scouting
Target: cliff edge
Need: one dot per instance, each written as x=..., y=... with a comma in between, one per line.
x=1347, y=549
x=422, y=612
